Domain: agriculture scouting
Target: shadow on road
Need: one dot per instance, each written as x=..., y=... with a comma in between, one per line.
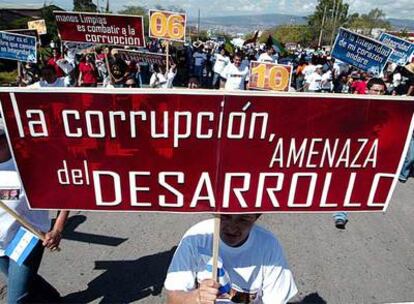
x=70, y=233
x=126, y=281
x=312, y=298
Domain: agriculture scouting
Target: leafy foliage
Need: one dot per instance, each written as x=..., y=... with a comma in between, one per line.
x=289, y=33
x=84, y=6
x=374, y=19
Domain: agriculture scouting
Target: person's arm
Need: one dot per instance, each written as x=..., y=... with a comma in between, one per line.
x=223, y=77
x=410, y=90
x=80, y=79
x=53, y=237
x=206, y=293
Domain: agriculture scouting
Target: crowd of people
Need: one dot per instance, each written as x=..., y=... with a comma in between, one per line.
x=197, y=65
x=210, y=66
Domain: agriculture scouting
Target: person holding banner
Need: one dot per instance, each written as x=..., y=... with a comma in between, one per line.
x=375, y=86
x=53, y=62
x=253, y=268
x=88, y=75
x=20, y=268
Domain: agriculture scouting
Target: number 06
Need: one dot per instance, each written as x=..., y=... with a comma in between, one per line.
x=170, y=27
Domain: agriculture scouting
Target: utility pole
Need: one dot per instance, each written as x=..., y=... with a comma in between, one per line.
x=334, y=22
x=198, y=25
x=321, y=30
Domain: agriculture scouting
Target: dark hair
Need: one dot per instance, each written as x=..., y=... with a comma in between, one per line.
x=374, y=81
x=48, y=67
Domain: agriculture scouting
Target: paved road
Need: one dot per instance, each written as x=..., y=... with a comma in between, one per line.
x=112, y=258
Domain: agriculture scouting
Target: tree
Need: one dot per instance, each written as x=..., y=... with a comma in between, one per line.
x=289, y=33
x=47, y=14
x=332, y=14
x=374, y=19
x=84, y=6
x=136, y=11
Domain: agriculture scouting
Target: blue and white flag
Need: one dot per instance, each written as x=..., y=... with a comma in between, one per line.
x=222, y=275
x=21, y=246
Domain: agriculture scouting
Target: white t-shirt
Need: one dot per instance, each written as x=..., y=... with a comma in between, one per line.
x=59, y=83
x=326, y=81
x=221, y=63
x=257, y=268
x=265, y=57
x=12, y=194
x=168, y=84
x=307, y=71
x=157, y=80
x=314, y=81
x=235, y=77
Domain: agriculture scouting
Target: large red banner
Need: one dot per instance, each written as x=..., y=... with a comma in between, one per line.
x=189, y=151
x=119, y=30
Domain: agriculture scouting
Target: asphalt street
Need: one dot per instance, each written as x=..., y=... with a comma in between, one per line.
x=123, y=257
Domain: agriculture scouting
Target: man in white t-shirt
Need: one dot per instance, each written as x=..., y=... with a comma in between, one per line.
x=235, y=75
x=253, y=267
x=221, y=61
x=315, y=79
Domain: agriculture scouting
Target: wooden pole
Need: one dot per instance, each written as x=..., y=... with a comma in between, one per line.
x=19, y=72
x=22, y=221
x=216, y=245
x=168, y=57
x=320, y=32
x=108, y=68
x=25, y=223
x=334, y=23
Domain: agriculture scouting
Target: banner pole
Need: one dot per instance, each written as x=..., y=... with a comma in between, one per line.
x=216, y=243
x=168, y=55
x=19, y=72
x=22, y=221
x=108, y=67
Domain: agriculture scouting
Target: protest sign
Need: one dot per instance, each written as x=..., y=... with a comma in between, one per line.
x=25, y=32
x=167, y=25
x=270, y=76
x=120, y=30
x=186, y=151
x=146, y=57
x=402, y=49
x=362, y=52
x=38, y=25
x=17, y=47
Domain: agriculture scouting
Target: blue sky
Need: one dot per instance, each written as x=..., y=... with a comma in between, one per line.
x=402, y=9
